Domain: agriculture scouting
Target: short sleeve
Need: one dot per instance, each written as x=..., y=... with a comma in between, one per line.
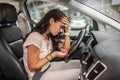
x=33, y=39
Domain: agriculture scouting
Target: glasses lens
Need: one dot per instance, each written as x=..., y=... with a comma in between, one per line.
x=63, y=28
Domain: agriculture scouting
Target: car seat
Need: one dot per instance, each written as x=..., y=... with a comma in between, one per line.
x=11, y=41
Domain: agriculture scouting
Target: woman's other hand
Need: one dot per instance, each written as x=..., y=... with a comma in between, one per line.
x=60, y=54
x=64, y=51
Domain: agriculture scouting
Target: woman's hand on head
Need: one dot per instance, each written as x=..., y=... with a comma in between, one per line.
x=65, y=22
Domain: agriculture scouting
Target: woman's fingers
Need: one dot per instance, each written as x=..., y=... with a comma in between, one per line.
x=60, y=54
x=64, y=51
x=65, y=21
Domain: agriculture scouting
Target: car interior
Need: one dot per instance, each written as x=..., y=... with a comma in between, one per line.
x=95, y=46
x=11, y=44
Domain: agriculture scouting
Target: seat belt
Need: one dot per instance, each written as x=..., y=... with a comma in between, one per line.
x=38, y=74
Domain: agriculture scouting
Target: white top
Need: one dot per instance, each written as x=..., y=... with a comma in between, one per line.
x=37, y=40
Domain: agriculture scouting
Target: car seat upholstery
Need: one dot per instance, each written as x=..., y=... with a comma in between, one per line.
x=11, y=41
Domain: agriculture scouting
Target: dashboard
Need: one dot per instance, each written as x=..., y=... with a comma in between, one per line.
x=101, y=57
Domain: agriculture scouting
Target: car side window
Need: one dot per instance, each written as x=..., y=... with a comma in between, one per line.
x=38, y=9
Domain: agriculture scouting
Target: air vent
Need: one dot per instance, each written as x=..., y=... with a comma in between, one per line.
x=87, y=60
x=96, y=70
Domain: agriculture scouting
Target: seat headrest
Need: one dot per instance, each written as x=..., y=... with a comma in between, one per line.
x=8, y=13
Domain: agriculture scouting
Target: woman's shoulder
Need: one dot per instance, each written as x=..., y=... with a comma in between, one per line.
x=35, y=33
x=34, y=36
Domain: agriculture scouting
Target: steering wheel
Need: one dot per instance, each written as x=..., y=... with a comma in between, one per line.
x=74, y=45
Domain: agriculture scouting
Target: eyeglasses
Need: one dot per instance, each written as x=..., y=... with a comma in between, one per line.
x=62, y=28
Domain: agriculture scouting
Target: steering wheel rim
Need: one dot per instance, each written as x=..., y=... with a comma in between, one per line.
x=75, y=45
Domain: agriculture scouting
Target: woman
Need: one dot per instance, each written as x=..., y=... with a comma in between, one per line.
x=42, y=45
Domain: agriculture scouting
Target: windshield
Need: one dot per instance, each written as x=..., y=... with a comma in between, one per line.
x=110, y=8
x=80, y=18
x=37, y=9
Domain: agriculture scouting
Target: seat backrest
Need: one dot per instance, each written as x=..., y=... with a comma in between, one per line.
x=11, y=41
x=12, y=34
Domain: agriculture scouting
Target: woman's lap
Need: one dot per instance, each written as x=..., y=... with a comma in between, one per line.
x=63, y=71
x=69, y=74
x=72, y=64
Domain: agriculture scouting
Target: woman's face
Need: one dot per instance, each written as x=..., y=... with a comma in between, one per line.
x=55, y=27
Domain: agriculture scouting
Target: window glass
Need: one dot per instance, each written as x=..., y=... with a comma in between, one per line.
x=110, y=8
x=38, y=9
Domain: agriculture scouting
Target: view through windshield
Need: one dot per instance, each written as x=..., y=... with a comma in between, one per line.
x=38, y=9
x=110, y=8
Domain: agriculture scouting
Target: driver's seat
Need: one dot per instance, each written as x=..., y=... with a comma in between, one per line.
x=11, y=40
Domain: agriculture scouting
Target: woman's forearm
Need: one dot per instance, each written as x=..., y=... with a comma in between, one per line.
x=34, y=62
x=67, y=40
x=41, y=62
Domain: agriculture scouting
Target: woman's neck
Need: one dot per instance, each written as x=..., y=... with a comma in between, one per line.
x=45, y=35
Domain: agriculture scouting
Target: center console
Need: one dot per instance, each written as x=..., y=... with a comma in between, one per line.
x=92, y=68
